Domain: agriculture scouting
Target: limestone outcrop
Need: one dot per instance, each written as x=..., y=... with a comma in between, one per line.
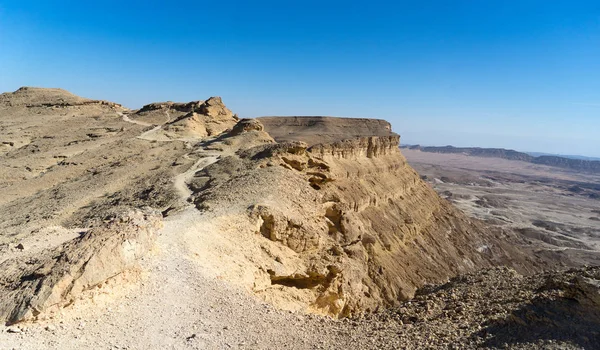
x=361, y=229
x=318, y=130
x=196, y=119
x=43, y=282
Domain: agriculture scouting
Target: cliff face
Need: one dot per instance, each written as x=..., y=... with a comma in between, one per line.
x=354, y=226
x=315, y=130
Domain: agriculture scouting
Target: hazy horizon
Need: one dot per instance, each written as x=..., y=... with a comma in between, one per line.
x=523, y=76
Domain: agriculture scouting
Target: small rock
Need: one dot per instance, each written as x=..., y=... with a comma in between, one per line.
x=20, y=246
x=14, y=330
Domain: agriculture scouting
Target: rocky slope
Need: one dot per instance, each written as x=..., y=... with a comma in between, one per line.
x=497, y=309
x=81, y=163
x=195, y=119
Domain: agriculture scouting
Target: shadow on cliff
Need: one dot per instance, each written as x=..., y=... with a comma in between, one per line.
x=562, y=319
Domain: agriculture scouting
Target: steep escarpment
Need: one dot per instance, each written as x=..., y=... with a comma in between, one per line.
x=314, y=130
x=344, y=227
x=318, y=215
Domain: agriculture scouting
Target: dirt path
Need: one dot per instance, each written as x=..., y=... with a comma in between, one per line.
x=180, y=181
x=147, y=134
x=129, y=120
x=178, y=305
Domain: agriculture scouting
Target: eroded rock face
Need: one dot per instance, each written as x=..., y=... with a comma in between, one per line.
x=363, y=230
x=201, y=118
x=47, y=281
x=316, y=130
x=246, y=125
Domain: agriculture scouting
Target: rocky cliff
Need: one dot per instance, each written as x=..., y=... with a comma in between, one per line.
x=568, y=163
x=353, y=225
x=313, y=130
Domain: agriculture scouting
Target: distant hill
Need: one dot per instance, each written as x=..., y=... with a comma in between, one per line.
x=570, y=156
x=575, y=164
x=478, y=152
x=584, y=164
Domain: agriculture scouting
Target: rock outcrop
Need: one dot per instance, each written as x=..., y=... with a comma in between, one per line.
x=46, y=281
x=197, y=119
x=362, y=230
x=315, y=130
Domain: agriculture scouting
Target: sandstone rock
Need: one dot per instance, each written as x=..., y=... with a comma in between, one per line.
x=203, y=118
x=14, y=330
x=37, y=284
x=366, y=229
x=246, y=125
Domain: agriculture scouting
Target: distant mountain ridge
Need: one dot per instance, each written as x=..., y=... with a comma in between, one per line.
x=569, y=156
x=586, y=165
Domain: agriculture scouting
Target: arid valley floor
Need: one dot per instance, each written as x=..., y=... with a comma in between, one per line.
x=557, y=209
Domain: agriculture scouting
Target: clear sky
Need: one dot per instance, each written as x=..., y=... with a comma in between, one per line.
x=519, y=74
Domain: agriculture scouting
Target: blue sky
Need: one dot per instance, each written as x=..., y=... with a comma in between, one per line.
x=515, y=74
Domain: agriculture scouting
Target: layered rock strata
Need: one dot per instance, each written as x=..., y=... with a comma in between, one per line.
x=360, y=228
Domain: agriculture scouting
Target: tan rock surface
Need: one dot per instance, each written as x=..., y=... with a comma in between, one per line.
x=317, y=215
x=48, y=280
x=358, y=227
